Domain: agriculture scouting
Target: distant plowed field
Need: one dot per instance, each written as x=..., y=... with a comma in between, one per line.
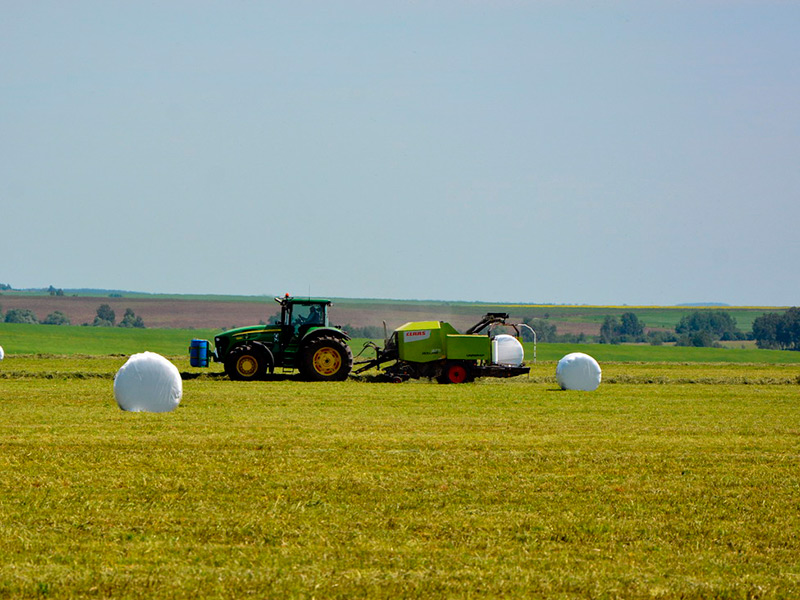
x=211, y=314
x=156, y=312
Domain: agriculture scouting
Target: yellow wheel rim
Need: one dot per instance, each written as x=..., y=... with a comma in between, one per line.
x=246, y=366
x=327, y=361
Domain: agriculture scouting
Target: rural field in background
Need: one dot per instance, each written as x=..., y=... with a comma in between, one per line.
x=677, y=478
x=215, y=312
x=174, y=343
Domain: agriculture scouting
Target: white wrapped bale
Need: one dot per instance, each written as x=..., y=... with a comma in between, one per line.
x=148, y=382
x=2, y=354
x=506, y=350
x=578, y=371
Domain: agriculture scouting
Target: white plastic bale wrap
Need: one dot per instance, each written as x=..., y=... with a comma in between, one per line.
x=148, y=382
x=506, y=350
x=2, y=354
x=578, y=371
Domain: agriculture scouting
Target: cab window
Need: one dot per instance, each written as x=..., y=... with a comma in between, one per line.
x=305, y=314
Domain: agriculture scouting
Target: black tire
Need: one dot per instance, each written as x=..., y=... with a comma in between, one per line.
x=247, y=362
x=456, y=372
x=326, y=358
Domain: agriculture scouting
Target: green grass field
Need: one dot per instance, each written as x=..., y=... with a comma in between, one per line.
x=672, y=480
x=68, y=340
x=75, y=339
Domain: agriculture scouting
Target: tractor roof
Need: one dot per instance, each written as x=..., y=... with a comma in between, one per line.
x=303, y=300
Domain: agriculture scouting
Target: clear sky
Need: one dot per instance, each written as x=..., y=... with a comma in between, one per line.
x=543, y=151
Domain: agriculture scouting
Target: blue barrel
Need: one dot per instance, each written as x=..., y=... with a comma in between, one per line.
x=198, y=353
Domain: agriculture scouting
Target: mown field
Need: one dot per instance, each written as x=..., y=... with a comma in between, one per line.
x=675, y=479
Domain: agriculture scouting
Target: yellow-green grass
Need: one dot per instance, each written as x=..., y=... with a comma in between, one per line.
x=658, y=373
x=647, y=353
x=502, y=488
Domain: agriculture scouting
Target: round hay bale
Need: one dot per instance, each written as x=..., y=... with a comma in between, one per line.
x=578, y=371
x=2, y=354
x=507, y=350
x=148, y=382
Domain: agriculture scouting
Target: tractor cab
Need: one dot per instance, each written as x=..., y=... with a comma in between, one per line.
x=299, y=315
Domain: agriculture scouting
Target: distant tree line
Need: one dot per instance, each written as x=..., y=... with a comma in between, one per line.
x=701, y=328
x=56, y=318
x=20, y=315
x=4, y=287
x=776, y=331
x=705, y=328
x=625, y=330
x=105, y=318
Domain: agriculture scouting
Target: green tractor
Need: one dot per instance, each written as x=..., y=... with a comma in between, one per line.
x=303, y=339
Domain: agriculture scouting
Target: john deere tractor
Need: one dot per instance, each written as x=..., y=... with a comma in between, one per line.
x=303, y=339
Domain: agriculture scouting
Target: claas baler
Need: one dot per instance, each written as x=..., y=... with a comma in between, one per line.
x=435, y=349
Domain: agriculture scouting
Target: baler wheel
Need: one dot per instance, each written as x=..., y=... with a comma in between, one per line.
x=456, y=373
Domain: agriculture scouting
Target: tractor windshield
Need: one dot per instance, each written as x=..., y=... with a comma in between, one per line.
x=307, y=314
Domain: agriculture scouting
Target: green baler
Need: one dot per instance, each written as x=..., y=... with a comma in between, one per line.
x=437, y=350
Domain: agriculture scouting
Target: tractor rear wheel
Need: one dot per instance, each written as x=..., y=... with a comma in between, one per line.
x=326, y=358
x=456, y=372
x=246, y=363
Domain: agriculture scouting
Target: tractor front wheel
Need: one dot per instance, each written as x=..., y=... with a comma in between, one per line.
x=326, y=359
x=246, y=363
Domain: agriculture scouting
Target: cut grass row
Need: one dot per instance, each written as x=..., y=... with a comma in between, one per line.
x=496, y=489
x=663, y=373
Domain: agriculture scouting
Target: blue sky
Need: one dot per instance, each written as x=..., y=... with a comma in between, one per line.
x=567, y=152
